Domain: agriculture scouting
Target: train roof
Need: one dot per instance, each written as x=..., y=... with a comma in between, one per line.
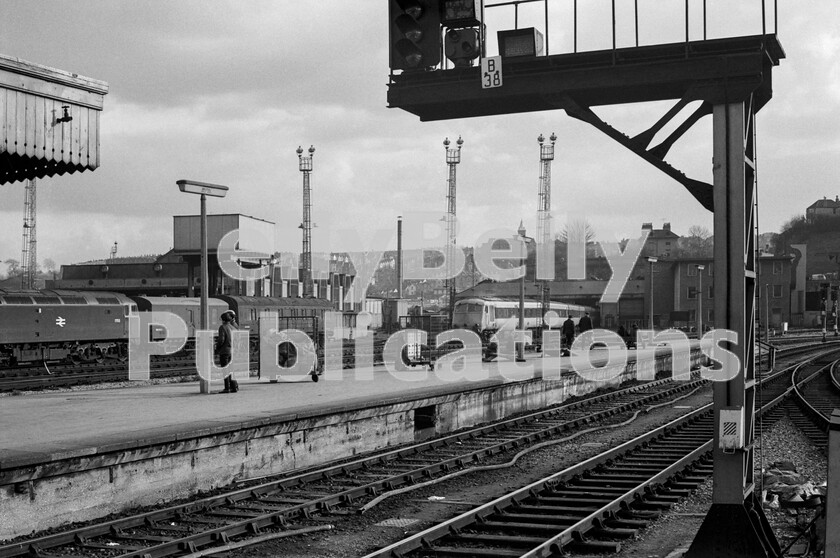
x=510, y=299
x=515, y=300
x=274, y=302
x=61, y=296
x=146, y=302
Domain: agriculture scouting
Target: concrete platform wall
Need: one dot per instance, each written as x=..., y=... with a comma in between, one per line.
x=46, y=495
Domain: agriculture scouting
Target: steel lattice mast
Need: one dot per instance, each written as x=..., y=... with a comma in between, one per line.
x=305, y=165
x=453, y=157
x=29, y=257
x=544, y=239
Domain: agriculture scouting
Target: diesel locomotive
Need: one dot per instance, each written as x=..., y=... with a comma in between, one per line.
x=81, y=326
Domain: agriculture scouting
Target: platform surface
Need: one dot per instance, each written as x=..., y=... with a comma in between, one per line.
x=46, y=426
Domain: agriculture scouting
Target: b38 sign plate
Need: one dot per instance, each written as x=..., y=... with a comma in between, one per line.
x=491, y=72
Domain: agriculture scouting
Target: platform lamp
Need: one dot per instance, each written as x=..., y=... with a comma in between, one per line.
x=651, y=261
x=700, y=269
x=203, y=189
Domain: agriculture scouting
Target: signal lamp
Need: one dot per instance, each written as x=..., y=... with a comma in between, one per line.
x=415, y=33
x=460, y=13
x=520, y=42
x=461, y=46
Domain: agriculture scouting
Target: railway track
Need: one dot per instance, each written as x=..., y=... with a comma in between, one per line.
x=64, y=375
x=816, y=395
x=67, y=375
x=590, y=507
x=586, y=508
x=273, y=502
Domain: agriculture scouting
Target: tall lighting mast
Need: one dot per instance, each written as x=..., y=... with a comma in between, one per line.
x=544, y=214
x=305, y=165
x=453, y=157
x=29, y=258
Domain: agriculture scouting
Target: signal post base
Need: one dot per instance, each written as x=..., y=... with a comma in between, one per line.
x=735, y=531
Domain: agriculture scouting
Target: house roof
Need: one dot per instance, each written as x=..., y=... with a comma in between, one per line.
x=825, y=203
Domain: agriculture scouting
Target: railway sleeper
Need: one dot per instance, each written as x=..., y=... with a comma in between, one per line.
x=639, y=514
x=612, y=533
x=617, y=475
x=473, y=552
x=591, y=494
x=593, y=547
x=509, y=540
x=507, y=527
x=620, y=468
x=617, y=522
x=575, y=498
x=607, y=482
x=580, y=491
x=538, y=518
x=548, y=510
x=112, y=547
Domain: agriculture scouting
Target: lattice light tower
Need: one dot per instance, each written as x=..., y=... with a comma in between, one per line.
x=305, y=166
x=453, y=157
x=29, y=253
x=544, y=217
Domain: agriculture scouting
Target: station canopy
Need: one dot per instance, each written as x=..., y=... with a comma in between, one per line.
x=49, y=121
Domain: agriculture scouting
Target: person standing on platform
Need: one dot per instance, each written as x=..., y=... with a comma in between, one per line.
x=223, y=348
x=585, y=323
x=568, y=332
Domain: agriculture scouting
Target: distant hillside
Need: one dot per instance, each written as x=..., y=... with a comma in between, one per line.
x=822, y=238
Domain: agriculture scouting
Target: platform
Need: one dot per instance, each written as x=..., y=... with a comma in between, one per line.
x=74, y=455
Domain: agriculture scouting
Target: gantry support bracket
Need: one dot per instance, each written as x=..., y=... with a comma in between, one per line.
x=702, y=191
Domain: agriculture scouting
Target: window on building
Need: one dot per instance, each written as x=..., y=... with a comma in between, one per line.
x=692, y=293
x=777, y=291
x=711, y=291
x=777, y=268
x=710, y=267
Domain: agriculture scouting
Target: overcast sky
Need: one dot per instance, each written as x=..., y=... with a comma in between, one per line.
x=225, y=92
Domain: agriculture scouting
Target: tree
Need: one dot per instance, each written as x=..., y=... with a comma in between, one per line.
x=698, y=243
x=13, y=267
x=699, y=231
x=48, y=265
x=577, y=230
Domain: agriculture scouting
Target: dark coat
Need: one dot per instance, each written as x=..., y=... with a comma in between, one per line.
x=568, y=327
x=585, y=324
x=223, y=341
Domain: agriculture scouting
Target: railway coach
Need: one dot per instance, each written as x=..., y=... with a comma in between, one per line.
x=491, y=314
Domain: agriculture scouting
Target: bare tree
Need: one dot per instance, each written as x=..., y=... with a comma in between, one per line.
x=48, y=265
x=13, y=267
x=698, y=243
x=577, y=230
x=699, y=231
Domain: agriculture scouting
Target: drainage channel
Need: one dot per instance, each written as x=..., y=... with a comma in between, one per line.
x=266, y=504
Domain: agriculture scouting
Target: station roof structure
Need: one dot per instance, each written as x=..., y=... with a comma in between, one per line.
x=49, y=121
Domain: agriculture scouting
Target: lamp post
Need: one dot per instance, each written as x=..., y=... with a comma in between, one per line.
x=520, y=347
x=651, y=261
x=272, y=262
x=204, y=189
x=700, y=269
